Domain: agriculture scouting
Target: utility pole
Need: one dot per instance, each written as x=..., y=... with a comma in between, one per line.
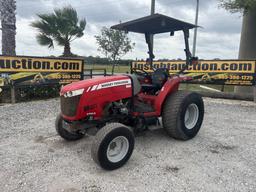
x=153, y=5
x=152, y=12
x=195, y=32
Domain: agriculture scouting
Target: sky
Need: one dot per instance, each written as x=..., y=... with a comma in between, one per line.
x=218, y=37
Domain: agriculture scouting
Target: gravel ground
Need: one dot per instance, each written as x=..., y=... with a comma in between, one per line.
x=221, y=158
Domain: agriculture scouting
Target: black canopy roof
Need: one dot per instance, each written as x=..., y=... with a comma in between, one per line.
x=153, y=24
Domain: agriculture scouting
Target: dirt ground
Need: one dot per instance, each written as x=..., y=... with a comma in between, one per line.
x=221, y=158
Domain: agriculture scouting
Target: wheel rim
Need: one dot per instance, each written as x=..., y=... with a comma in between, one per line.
x=117, y=149
x=191, y=116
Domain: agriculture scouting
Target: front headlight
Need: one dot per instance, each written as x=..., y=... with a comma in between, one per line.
x=74, y=93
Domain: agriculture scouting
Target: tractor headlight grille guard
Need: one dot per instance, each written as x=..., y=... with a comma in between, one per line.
x=69, y=105
x=73, y=93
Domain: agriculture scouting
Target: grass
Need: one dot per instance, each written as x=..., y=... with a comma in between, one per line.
x=195, y=87
x=118, y=69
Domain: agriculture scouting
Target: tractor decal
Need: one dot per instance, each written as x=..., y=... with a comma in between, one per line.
x=126, y=82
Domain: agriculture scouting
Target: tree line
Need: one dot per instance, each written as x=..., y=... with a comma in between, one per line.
x=106, y=61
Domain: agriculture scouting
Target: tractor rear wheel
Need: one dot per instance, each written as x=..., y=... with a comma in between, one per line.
x=64, y=133
x=113, y=146
x=183, y=114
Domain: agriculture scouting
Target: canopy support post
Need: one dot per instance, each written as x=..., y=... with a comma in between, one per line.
x=150, y=50
x=187, y=50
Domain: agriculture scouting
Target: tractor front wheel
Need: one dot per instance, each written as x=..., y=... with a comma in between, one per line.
x=183, y=114
x=64, y=133
x=113, y=146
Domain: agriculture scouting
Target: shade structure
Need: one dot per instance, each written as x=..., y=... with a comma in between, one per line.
x=154, y=24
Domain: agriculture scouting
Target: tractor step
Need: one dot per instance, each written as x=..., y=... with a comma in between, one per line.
x=142, y=107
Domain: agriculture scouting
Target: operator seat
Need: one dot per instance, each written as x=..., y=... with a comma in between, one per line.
x=159, y=77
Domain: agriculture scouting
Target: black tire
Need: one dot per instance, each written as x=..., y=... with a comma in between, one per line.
x=69, y=136
x=174, y=111
x=102, y=142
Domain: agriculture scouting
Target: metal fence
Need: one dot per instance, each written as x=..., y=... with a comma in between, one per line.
x=90, y=73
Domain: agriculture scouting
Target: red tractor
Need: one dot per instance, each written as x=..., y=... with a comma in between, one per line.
x=119, y=106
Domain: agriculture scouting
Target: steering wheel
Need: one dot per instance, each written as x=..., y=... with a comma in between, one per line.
x=140, y=72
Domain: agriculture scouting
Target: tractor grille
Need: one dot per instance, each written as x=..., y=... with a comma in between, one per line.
x=69, y=105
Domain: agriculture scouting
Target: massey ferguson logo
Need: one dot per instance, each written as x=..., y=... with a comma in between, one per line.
x=110, y=84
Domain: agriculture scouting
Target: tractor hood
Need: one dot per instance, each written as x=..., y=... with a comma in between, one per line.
x=91, y=83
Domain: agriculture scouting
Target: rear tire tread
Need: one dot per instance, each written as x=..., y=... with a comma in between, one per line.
x=172, y=114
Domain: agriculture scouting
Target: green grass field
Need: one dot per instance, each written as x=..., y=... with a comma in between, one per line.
x=195, y=87
x=118, y=69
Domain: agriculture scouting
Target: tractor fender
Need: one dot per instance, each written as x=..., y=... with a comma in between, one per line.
x=171, y=86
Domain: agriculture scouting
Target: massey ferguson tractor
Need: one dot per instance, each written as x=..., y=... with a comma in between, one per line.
x=120, y=106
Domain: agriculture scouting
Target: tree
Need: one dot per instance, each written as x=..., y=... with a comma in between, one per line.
x=8, y=22
x=238, y=5
x=114, y=44
x=62, y=26
x=248, y=38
